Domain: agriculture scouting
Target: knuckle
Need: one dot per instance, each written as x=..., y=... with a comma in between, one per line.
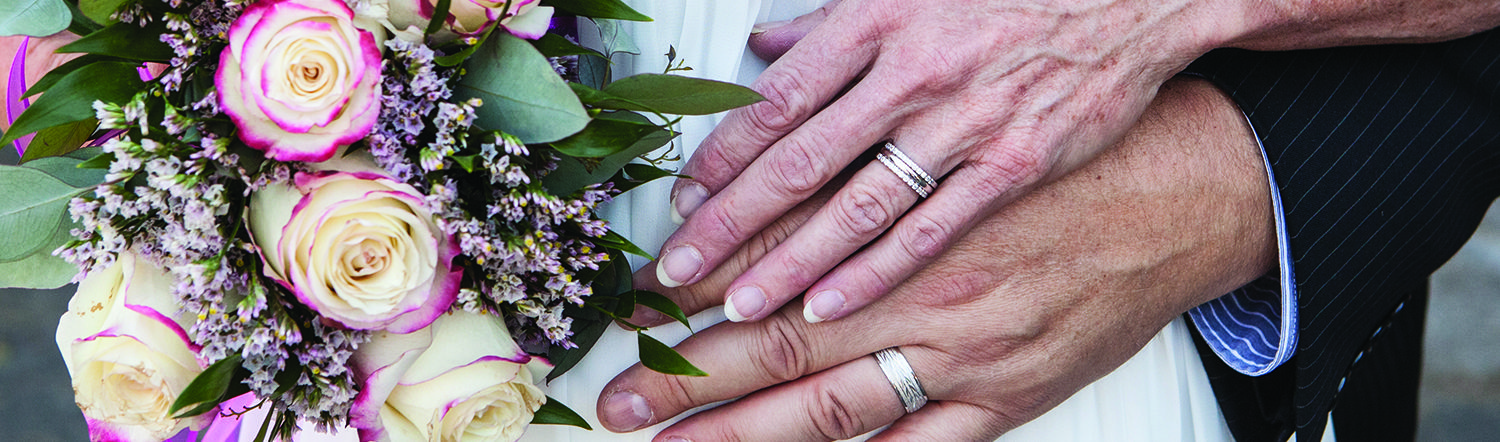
x=833, y=415
x=680, y=391
x=782, y=352
x=786, y=101
x=723, y=223
x=716, y=164
x=924, y=238
x=1007, y=168
x=796, y=168
x=862, y=212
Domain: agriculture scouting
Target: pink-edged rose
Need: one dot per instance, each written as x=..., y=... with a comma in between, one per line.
x=127, y=349
x=359, y=247
x=299, y=79
x=467, y=18
x=462, y=379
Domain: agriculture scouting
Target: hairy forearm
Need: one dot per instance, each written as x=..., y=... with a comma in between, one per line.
x=1307, y=24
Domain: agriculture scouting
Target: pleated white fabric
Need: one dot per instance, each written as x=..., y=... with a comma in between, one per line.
x=1161, y=394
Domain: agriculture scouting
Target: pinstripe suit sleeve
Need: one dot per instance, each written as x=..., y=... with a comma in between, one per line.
x=1386, y=158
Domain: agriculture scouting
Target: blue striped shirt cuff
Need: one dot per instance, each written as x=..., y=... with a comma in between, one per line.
x=1254, y=329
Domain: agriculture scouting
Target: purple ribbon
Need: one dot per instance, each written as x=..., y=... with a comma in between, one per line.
x=15, y=89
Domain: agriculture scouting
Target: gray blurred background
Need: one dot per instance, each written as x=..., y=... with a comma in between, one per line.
x=1460, y=386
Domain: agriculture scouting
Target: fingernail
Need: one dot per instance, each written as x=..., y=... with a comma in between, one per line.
x=678, y=266
x=626, y=411
x=822, y=306
x=677, y=439
x=763, y=27
x=744, y=303
x=687, y=200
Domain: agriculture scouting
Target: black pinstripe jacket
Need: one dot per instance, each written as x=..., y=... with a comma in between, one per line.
x=1387, y=158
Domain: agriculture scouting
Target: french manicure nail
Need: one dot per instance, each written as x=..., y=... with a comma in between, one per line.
x=760, y=28
x=822, y=306
x=688, y=199
x=678, y=266
x=677, y=439
x=744, y=303
x=626, y=411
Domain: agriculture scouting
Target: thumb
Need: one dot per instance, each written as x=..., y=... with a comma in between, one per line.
x=772, y=39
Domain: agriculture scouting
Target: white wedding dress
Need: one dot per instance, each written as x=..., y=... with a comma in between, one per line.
x=1161, y=394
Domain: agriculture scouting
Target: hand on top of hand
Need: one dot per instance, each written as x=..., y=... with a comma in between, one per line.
x=1038, y=300
x=993, y=98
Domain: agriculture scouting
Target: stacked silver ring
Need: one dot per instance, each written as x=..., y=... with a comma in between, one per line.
x=902, y=378
x=906, y=169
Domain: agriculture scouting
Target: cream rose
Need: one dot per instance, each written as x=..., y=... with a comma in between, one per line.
x=467, y=18
x=462, y=379
x=299, y=79
x=126, y=348
x=357, y=246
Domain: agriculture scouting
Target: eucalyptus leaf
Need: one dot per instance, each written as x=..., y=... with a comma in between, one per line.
x=593, y=71
x=66, y=169
x=522, y=94
x=33, y=209
x=80, y=24
x=663, y=359
x=38, y=271
x=553, y=412
x=59, y=140
x=674, y=94
x=656, y=301
x=72, y=98
x=615, y=39
x=605, y=136
x=36, y=18
x=100, y=10
x=208, y=389
x=125, y=40
x=615, y=9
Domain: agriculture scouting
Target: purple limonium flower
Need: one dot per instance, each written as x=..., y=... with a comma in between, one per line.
x=299, y=79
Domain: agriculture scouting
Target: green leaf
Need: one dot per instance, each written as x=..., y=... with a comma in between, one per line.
x=572, y=174
x=38, y=271
x=615, y=39
x=33, y=210
x=59, y=140
x=553, y=45
x=613, y=239
x=37, y=18
x=663, y=359
x=439, y=16
x=614, y=9
x=553, y=412
x=208, y=389
x=72, y=99
x=100, y=161
x=66, y=169
x=125, y=40
x=606, y=135
x=100, y=10
x=80, y=24
x=585, y=336
x=522, y=95
x=674, y=94
x=660, y=303
x=57, y=73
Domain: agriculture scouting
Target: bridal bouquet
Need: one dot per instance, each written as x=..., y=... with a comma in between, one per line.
x=377, y=214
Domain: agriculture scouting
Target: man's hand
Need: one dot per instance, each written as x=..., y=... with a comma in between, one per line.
x=992, y=97
x=1039, y=300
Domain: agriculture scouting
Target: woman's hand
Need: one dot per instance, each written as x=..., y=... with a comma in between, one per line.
x=1037, y=301
x=994, y=98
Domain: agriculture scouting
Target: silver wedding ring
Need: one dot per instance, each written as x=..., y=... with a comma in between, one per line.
x=906, y=169
x=902, y=378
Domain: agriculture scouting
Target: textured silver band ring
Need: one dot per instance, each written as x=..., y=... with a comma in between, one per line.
x=909, y=172
x=902, y=379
